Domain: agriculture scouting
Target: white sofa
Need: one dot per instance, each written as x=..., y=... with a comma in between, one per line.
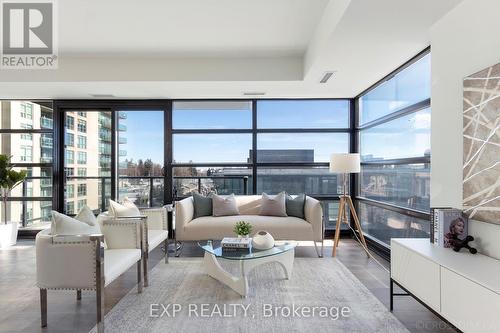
x=282, y=228
x=80, y=262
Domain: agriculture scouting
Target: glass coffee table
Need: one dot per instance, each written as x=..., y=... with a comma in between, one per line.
x=282, y=253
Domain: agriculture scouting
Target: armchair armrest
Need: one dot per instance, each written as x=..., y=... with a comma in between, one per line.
x=314, y=214
x=67, y=261
x=184, y=213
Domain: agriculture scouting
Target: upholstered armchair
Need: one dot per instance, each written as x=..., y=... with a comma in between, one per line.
x=157, y=229
x=82, y=262
x=155, y=232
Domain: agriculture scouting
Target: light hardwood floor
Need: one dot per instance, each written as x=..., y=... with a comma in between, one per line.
x=19, y=297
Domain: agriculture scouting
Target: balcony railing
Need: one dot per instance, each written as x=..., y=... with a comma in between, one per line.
x=150, y=189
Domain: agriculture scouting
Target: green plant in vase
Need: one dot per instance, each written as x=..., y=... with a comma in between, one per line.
x=242, y=229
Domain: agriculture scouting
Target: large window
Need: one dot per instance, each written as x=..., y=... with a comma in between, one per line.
x=260, y=146
x=394, y=136
x=26, y=135
x=223, y=146
x=212, y=144
x=141, y=145
x=93, y=176
x=407, y=87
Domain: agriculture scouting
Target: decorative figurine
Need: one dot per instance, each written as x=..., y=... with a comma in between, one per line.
x=458, y=244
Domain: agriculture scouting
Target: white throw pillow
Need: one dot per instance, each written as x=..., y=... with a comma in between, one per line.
x=65, y=225
x=273, y=206
x=86, y=215
x=126, y=209
x=224, y=206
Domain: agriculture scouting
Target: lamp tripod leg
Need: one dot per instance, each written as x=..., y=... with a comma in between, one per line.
x=337, y=227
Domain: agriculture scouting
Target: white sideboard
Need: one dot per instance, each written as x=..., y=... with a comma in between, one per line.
x=462, y=288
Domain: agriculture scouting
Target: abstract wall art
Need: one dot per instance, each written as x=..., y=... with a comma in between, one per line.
x=481, y=134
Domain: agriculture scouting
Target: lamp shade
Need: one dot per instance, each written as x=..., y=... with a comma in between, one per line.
x=344, y=163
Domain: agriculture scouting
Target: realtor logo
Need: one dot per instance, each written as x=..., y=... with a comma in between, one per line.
x=28, y=35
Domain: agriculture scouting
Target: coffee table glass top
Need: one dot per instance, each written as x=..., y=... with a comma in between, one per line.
x=213, y=247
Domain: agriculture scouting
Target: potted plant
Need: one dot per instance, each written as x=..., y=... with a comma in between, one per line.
x=9, y=179
x=242, y=229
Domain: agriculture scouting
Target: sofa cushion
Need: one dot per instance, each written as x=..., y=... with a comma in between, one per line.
x=273, y=206
x=118, y=261
x=295, y=206
x=281, y=228
x=224, y=206
x=202, y=205
x=155, y=237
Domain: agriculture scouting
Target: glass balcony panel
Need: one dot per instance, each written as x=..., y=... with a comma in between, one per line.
x=221, y=180
x=384, y=224
x=296, y=180
x=406, y=185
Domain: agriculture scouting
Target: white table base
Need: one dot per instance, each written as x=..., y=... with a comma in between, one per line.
x=240, y=283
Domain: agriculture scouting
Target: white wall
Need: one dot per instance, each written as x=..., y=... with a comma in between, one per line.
x=463, y=42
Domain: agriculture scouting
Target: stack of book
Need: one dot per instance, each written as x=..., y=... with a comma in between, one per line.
x=239, y=245
x=447, y=224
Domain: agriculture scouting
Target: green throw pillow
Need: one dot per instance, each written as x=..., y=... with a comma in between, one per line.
x=202, y=205
x=295, y=206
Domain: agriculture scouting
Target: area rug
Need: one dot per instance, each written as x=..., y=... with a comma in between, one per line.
x=321, y=296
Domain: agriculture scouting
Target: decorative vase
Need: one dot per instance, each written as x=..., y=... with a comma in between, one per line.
x=262, y=240
x=8, y=234
x=243, y=236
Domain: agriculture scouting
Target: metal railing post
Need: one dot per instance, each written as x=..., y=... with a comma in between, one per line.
x=150, y=191
x=24, y=203
x=103, y=194
x=245, y=185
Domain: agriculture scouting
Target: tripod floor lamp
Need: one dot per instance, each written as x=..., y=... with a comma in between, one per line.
x=346, y=164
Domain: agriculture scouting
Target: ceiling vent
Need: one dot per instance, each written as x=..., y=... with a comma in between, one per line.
x=326, y=77
x=102, y=95
x=254, y=93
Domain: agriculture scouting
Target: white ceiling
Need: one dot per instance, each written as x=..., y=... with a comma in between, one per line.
x=221, y=48
x=192, y=28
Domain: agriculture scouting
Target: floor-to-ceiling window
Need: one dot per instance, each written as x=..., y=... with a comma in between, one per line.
x=141, y=146
x=26, y=134
x=294, y=141
x=394, y=143
x=212, y=143
x=88, y=159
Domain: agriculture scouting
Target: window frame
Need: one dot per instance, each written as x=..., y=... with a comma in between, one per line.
x=27, y=133
x=410, y=109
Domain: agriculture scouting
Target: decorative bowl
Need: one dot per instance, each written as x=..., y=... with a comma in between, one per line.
x=262, y=240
